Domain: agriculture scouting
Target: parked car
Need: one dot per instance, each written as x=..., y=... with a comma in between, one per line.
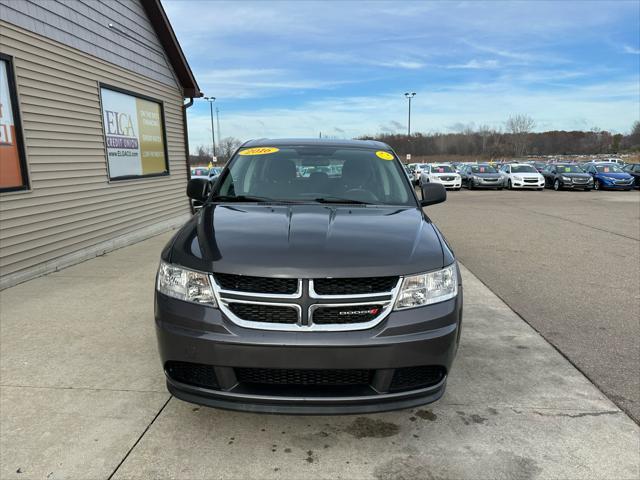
x=566, y=175
x=539, y=166
x=609, y=176
x=480, y=175
x=200, y=172
x=521, y=175
x=418, y=169
x=442, y=173
x=633, y=169
x=268, y=301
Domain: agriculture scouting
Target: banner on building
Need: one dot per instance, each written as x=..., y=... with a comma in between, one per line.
x=134, y=135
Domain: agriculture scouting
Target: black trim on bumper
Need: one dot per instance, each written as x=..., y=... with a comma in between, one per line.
x=306, y=406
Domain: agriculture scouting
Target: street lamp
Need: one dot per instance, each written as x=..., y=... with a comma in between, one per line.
x=213, y=135
x=409, y=96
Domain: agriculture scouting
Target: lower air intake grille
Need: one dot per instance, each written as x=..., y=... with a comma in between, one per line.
x=273, y=376
x=354, y=286
x=412, y=378
x=269, y=285
x=345, y=314
x=195, y=374
x=264, y=313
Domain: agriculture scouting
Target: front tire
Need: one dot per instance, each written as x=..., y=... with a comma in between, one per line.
x=470, y=185
x=556, y=185
x=509, y=186
x=597, y=185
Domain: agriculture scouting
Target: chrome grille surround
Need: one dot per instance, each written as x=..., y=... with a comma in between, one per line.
x=305, y=305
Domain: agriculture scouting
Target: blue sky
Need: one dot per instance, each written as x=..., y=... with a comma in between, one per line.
x=294, y=69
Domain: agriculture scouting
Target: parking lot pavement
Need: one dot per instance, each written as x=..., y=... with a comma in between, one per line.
x=83, y=397
x=568, y=263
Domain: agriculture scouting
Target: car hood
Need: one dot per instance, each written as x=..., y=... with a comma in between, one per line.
x=451, y=174
x=309, y=241
x=621, y=176
x=485, y=175
x=575, y=175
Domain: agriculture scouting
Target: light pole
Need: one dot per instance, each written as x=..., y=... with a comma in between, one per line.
x=213, y=135
x=409, y=96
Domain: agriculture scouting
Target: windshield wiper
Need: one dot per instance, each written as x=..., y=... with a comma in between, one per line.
x=340, y=200
x=239, y=198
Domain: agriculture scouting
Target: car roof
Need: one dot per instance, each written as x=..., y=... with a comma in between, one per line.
x=315, y=142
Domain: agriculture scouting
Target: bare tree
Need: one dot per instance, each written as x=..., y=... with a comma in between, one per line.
x=520, y=126
x=227, y=146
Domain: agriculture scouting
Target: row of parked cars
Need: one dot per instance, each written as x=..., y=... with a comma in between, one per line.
x=560, y=175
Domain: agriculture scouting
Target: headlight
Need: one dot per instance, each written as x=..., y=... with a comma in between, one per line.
x=428, y=288
x=476, y=178
x=517, y=177
x=184, y=284
x=565, y=179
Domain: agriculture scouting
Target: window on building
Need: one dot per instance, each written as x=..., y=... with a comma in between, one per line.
x=13, y=170
x=134, y=133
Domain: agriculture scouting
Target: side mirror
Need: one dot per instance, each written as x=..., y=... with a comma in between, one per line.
x=433, y=193
x=198, y=189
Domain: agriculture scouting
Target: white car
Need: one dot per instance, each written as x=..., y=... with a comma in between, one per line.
x=418, y=170
x=521, y=175
x=442, y=173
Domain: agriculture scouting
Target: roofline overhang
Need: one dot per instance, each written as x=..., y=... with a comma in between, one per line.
x=169, y=41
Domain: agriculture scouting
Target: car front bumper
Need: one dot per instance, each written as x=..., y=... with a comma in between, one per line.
x=449, y=183
x=523, y=184
x=406, y=343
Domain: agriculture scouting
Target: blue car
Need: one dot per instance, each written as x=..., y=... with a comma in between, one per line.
x=609, y=176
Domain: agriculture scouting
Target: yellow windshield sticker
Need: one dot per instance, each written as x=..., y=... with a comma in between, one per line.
x=384, y=155
x=259, y=151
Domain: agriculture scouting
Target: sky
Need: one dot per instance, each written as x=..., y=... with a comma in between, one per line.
x=340, y=68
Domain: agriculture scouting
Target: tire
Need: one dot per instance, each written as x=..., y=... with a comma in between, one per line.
x=597, y=185
x=470, y=185
x=556, y=184
x=509, y=186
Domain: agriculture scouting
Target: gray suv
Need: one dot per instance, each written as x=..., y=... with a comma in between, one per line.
x=325, y=293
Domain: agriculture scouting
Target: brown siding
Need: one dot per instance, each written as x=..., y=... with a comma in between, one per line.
x=71, y=204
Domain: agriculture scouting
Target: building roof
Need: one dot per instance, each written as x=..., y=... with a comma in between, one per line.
x=324, y=142
x=169, y=41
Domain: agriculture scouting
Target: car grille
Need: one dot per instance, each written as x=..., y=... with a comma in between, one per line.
x=267, y=285
x=411, y=378
x=580, y=180
x=283, y=304
x=276, y=376
x=447, y=179
x=530, y=180
x=195, y=374
x=264, y=313
x=353, y=286
x=489, y=179
x=345, y=314
x=623, y=182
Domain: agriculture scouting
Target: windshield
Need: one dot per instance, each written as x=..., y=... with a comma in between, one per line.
x=483, y=169
x=316, y=173
x=569, y=169
x=200, y=172
x=215, y=171
x=523, y=169
x=442, y=169
x=608, y=168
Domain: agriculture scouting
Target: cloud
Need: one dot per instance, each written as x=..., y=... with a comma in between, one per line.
x=631, y=50
x=475, y=64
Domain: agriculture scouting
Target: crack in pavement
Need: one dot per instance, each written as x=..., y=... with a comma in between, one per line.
x=570, y=415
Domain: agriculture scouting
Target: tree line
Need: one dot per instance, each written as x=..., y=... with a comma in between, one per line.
x=516, y=140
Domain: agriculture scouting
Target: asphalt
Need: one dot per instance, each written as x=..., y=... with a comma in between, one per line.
x=82, y=396
x=568, y=263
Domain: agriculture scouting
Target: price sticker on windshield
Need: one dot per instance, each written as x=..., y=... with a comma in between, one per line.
x=384, y=155
x=259, y=151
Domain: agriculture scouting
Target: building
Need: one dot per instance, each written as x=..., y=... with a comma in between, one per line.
x=93, y=147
